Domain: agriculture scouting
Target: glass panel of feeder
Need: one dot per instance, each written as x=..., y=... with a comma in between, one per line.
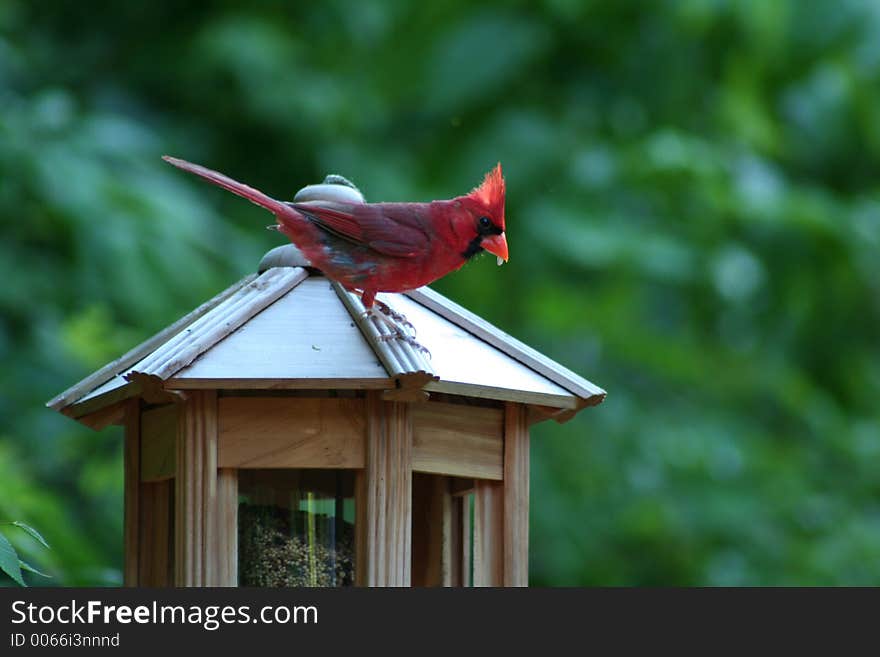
x=296, y=527
x=442, y=530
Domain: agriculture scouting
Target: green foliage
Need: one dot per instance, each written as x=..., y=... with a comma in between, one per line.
x=10, y=563
x=693, y=216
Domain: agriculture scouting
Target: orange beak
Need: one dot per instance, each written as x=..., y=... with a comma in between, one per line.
x=497, y=246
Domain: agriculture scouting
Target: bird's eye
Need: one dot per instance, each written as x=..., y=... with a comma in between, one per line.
x=485, y=223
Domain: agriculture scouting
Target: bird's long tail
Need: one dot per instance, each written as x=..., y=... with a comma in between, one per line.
x=253, y=195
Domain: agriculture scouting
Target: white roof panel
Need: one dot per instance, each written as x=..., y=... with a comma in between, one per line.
x=462, y=359
x=306, y=334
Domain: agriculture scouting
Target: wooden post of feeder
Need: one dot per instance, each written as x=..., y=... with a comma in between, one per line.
x=501, y=511
x=516, y=495
x=206, y=499
x=131, y=461
x=384, y=520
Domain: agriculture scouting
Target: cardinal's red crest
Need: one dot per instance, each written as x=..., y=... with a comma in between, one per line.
x=491, y=194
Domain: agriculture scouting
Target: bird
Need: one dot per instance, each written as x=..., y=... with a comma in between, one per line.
x=384, y=247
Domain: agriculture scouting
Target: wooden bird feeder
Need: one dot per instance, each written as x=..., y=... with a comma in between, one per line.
x=274, y=438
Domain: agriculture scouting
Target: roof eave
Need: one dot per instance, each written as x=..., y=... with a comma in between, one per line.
x=94, y=380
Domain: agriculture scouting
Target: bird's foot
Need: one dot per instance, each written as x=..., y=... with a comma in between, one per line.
x=408, y=339
x=399, y=319
x=399, y=327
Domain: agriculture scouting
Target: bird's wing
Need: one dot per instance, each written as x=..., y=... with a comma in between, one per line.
x=394, y=229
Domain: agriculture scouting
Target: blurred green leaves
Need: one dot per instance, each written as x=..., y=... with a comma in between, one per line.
x=9, y=560
x=693, y=215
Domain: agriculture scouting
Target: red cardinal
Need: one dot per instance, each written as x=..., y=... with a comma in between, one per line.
x=385, y=247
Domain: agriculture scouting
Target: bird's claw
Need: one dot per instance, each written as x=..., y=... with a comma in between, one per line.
x=400, y=327
x=398, y=318
x=408, y=339
x=420, y=348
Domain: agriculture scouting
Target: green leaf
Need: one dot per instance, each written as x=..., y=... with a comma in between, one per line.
x=33, y=532
x=9, y=560
x=26, y=566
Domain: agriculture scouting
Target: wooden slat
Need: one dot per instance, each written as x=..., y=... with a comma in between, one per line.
x=232, y=383
x=500, y=393
x=431, y=547
x=385, y=493
x=448, y=553
x=458, y=440
x=146, y=533
x=131, y=462
x=466, y=530
x=227, y=528
x=516, y=495
x=488, y=534
x=91, y=405
x=286, y=432
x=421, y=528
x=159, y=443
x=151, y=389
x=405, y=395
x=538, y=413
x=156, y=568
x=459, y=487
x=454, y=563
x=196, y=491
x=100, y=419
x=364, y=534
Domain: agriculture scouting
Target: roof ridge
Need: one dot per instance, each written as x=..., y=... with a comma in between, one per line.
x=400, y=359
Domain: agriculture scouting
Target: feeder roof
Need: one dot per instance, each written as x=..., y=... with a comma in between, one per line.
x=290, y=328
